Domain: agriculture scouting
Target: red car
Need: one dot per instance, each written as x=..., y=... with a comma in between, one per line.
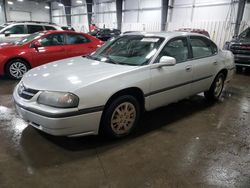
x=44, y=47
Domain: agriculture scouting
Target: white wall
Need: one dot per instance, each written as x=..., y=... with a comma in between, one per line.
x=203, y=10
x=138, y=11
x=27, y=10
x=79, y=18
x=104, y=13
x=2, y=19
x=58, y=14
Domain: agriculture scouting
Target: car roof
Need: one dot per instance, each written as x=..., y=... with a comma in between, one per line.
x=168, y=34
x=58, y=31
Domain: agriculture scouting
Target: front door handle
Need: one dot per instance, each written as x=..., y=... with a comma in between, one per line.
x=188, y=68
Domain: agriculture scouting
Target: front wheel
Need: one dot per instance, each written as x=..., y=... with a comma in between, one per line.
x=216, y=88
x=120, y=117
x=16, y=68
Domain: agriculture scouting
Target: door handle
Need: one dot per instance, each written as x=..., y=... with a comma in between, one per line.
x=188, y=68
x=215, y=63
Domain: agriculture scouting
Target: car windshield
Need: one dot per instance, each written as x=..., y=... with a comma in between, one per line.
x=245, y=34
x=28, y=38
x=128, y=50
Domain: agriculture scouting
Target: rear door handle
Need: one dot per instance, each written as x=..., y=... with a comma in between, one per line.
x=215, y=63
x=188, y=68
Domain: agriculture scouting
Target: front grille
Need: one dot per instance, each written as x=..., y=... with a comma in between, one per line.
x=240, y=49
x=26, y=93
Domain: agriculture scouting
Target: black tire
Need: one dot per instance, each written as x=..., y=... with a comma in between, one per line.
x=20, y=65
x=239, y=69
x=212, y=94
x=108, y=129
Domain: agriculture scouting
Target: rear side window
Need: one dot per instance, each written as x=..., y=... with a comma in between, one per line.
x=52, y=40
x=77, y=39
x=202, y=47
x=49, y=28
x=16, y=29
x=34, y=28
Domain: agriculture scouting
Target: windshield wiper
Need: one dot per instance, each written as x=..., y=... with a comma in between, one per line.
x=110, y=60
x=91, y=57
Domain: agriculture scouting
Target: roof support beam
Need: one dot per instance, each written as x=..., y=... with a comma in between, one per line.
x=119, y=13
x=89, y=11
x=164, y=14
x=4, y=10
x=241, y=7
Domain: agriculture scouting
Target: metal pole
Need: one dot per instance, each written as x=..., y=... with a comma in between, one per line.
x=241, y=7
x=89, y=11
x=4, y=10
x=164, y=14
x=119, y=13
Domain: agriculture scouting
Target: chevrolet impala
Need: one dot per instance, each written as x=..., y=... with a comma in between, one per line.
x=107, y=91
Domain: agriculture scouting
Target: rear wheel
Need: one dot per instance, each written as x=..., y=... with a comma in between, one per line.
x=16, y=68
x=216, y=89
x=120, y=117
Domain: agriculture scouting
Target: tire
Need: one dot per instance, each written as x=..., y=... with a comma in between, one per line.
x=216, y=88
x=16, y=68
x=115, y=124
x=239, y=69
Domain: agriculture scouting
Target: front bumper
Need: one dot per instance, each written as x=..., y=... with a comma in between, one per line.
x=73, y=125
x=242, y=60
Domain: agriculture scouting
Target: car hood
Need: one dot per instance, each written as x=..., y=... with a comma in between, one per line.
x=71, y=74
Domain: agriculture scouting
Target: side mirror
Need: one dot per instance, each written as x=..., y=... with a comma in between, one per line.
x=167, y=61
x=35, y=44
x=7, y=33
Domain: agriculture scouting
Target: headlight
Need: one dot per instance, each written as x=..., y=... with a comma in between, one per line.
x=58, y=99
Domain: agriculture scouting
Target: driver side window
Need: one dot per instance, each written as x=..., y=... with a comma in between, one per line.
x=176, y=48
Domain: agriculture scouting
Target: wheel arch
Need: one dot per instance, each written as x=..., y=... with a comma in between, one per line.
x=133, y=91
x=223, y=71
x=13, y=58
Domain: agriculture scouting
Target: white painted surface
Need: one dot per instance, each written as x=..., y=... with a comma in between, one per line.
x=20, y=15
x=79, y=18
x=1, y=13
x=36, y=10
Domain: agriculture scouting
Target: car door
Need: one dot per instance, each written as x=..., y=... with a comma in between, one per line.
x=171, y=83
x=77, y=44
x=52, y=49
x=13, y=33
x=204, y=63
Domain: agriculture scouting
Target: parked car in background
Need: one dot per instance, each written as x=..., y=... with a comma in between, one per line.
x=191, y=30
x=105, y=34
x=107, y=91
x=240, y=47
x=43, y=47
x=14, y=31
x=68, y=28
